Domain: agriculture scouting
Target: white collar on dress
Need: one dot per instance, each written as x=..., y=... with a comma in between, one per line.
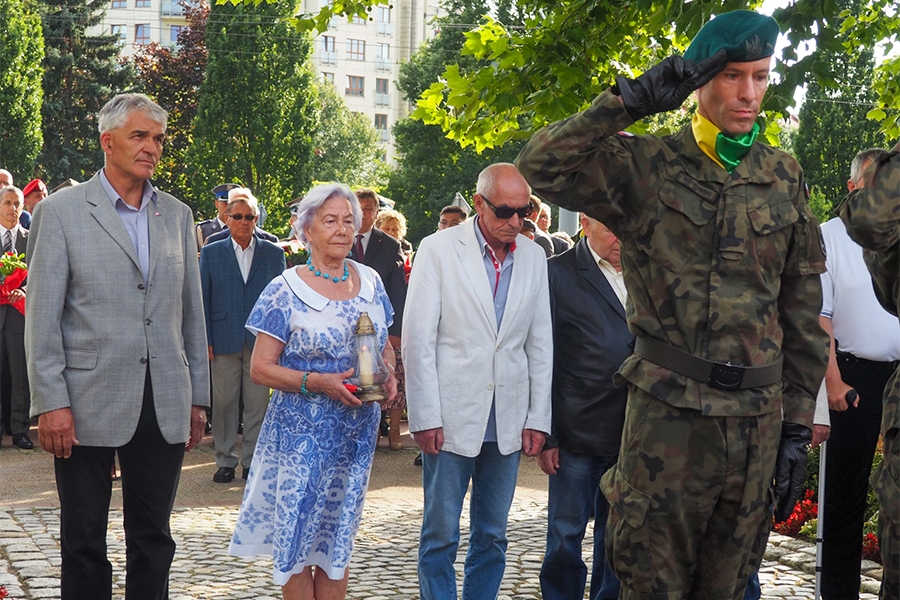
x=317, y=301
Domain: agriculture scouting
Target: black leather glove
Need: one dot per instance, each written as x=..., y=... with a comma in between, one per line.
x=666, y=85
x=790, y=468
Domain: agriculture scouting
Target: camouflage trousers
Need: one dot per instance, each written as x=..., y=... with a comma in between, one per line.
x=886, y=483
x=690, y=501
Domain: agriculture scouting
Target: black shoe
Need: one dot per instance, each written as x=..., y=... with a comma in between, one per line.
x=245, y=472
x=224, y=475
x=208, y=429
x=418, y=460
x=383, y=427
x=23, y=441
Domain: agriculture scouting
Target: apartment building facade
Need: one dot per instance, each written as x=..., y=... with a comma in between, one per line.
x=360, y=57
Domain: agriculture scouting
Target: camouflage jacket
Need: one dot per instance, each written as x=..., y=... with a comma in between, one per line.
x=723, y=266
x=872, y=216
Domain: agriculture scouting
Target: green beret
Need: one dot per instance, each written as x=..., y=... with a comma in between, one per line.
x=744, y=34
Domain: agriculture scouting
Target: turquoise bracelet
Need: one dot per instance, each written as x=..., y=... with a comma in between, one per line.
x=303, y=389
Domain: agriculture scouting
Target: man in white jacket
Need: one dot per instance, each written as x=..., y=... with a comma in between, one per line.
x=478, y=353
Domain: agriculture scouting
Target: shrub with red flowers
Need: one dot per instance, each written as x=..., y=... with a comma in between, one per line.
x=871, y=550
x=804, y=511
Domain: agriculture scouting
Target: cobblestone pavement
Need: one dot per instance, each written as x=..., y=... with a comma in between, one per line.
x=383, y=567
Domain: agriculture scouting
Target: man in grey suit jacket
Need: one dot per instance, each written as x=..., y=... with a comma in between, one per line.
x=13, y=238
x=116, y=346
x=233, y=273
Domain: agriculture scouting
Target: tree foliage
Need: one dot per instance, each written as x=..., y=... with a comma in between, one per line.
x=432, y=167
x=833, y=127
x=556, y=55
x=81, y=73
x=256, y=116
x=346, y=143
x=172, y=77
x=21, y=54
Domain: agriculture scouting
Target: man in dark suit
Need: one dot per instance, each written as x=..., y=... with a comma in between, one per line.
x=13, y=238
x=233, y=273
x=381, y=252
x=591, y=339
x=238, y=192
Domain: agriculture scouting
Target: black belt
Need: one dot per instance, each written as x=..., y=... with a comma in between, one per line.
x=724, y=376
x=878, y=364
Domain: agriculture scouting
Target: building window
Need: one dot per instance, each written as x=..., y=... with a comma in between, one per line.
x=383, y=14
x=383, y=57
x=329, y=50
x=357, y=20
x=118, y=31
x=355, y=85
x=380, y=121
x=356, y=49
x=117, y=4
x=382, y=95
x=142, y=3
x=175, y=31
x=329, y=77
x=142, y=33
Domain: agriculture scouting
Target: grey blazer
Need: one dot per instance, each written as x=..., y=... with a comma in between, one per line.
x=93, y=326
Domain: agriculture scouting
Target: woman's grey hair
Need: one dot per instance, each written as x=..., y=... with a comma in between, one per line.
x=116, y=111
x=314, y=200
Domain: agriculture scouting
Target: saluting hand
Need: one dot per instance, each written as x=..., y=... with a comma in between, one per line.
x=666, y=85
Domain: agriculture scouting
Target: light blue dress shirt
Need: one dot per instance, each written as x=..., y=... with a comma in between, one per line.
x=499, y=275
x=136, y=221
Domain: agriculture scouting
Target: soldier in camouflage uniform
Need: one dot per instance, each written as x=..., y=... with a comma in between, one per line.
x=872, y=216
x=721, y=257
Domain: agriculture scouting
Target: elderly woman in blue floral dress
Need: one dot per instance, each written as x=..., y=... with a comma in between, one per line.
x=311, y=467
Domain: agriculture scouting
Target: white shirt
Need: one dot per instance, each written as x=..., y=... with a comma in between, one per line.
x=614, y=277
x=244, y=257
x=861, y=326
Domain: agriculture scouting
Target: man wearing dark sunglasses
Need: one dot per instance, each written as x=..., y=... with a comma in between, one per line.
x=233, y=273
x=478, y=349
x=240, y=192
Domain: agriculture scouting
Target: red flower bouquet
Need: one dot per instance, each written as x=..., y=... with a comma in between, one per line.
x=13, y=272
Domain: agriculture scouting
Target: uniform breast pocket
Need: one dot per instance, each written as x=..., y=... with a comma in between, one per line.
x=772, y=224
x=671, y=234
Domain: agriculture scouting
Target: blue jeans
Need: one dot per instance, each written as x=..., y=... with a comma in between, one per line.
x=574, y=491
x=445, y=477
x=753, y=591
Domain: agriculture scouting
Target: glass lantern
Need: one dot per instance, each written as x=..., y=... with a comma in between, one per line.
x=370, y=373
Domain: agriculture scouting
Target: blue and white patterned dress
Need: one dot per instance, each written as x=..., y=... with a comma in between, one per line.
x=304, y=497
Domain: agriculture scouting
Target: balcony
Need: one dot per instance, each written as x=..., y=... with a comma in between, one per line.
x=384, y=135
x=382, y=99
x=383, y=64
x=384, y=28
x=171, y=9
x=329, y=58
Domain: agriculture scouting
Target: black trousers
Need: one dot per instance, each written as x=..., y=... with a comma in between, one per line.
x=151, y=468
x=849, y=453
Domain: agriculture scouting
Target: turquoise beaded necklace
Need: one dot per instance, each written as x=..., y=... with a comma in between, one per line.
x=319, y=273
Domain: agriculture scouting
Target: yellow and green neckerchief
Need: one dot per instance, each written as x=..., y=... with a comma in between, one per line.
x=724, y=150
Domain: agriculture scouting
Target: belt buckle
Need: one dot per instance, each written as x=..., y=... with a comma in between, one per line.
x=726, y=376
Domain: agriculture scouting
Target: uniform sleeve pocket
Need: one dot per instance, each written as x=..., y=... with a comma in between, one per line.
x=80, y=359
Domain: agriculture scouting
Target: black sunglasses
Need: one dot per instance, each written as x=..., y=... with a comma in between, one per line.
x=241, y=217
x=506, y=212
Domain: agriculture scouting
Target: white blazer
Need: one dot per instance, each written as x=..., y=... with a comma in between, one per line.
x=456, y=360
